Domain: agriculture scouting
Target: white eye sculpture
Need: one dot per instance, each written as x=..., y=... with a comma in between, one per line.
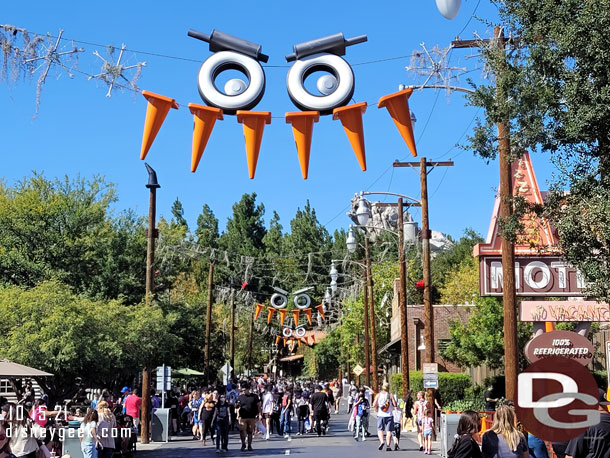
x=279, y=300
x=287, y=332
x=322, y=55
x=301, y=300
x=231, y=53
x=300, y=331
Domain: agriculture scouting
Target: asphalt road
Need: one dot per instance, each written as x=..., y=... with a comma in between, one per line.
x=337, y=444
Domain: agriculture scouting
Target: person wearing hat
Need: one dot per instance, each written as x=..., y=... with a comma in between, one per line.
x=595, y=441
x=125, y=391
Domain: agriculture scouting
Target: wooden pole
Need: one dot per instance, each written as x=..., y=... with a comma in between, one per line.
x=402, y=298
x=208, y=323
x=371, y=305
x=232, y=334
x=365, y=304
x=250, y=337
x=426, y=234
x=151, y=234
x=511, y=365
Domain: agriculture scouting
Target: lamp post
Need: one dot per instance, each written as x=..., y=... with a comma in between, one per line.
x=151, y=235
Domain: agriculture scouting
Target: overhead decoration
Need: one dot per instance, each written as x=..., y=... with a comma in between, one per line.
x=397, y=105
x=279, y=299
x=254, y=125
x=205, y=118
x=351, y=118
x=282, y=314
x=449, y=8
x=302, y=129
x=259, y=309
x=231, y=53
x=111, y=72
x=270, y=313
x=156, y=111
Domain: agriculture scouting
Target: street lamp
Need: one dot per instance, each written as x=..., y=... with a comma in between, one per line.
x=351, y=241
x=363, y=213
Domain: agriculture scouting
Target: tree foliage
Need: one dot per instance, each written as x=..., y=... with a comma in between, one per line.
x=554, y=87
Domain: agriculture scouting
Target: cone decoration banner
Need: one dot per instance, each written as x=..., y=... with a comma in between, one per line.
x=254, y=125
x=270, y=313
x=302, y=129
x=351, y=118
x=295, y=317
x=284, y=341
x=320, y=309
x=299, y=342
x=156, y=111
x=282, y=316
x=277, y=340
x=313, y=339
x=205, y=118
x=483, y=425
x=259, y=309
x=397, y=105
x=308, y=315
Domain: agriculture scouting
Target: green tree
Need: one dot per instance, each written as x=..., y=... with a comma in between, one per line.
x=207, y=228
x=245, y=228
x=556, y=88
x=274, y=238
x=462, y=284
x=178, y=213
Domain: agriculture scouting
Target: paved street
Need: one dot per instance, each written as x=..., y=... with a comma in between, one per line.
x=338, y=443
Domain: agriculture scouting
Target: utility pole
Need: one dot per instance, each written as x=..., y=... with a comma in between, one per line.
x=250, y=337
x=151, y=234
x=232, y=334
x=367, y=362
x=371, y=306
x=402, y=304
x=208, y=322
x=511, y=359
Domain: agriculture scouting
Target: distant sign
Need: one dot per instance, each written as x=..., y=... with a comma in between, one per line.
x=358, y=370
x=430, y=368
x=431, y=383
x=560, y=343
x=534, y=276
x=164, y=378
x=561, y=311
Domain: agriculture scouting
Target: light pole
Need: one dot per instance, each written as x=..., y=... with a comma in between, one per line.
x=363, y=215
x=151, y=235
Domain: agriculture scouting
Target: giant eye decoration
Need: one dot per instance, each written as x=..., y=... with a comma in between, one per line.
x=301, y=300
x=335, y=87
x=279, y=300
x=231, y=53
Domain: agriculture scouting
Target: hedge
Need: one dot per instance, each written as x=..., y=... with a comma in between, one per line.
x=452, y=385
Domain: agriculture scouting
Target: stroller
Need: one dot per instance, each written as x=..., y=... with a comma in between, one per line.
x=125, y=442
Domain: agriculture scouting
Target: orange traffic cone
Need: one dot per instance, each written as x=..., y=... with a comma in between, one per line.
x=156, y=111
x=254, y=125
x=398, y=106
x=277, y=340
x=295, y=317
x=205, y=118
x=483, y=425
x=259, y=308
x=282, y=316
x=270, y=313
x=302, y=129
x=308, y=315
x=549, y=326
x=351, y=118
x=320, y=309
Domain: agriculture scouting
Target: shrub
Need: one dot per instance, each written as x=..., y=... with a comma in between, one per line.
x=451, y=385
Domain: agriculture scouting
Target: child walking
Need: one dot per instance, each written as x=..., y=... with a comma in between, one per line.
x=428, y=427
x=397, y=416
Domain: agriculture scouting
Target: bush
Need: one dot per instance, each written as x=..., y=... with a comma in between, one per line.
x=451, y=385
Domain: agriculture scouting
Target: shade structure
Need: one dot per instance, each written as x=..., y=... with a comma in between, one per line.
x=9, y=369
x=188, y=372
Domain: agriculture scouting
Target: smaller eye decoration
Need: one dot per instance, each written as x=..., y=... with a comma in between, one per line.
x=335, y=87
x=231, y=53
x=287, y=332
x=279, y=300
x=300, y=331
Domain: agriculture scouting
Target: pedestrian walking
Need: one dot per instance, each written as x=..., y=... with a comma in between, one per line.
x=276, y=410
x=503, y=439
x=133, y=405
x=337, y=392
x=89, y=440
x=320, y=408
x=428, y=430
x=397, y=417
x=352, y=396
x=361, y=409
x=490, y=399
x=420, y=406
x=194, y=405
x=248, y=410
x=221, y=418
x=23, y=431
x=285, y=417
x=267, y=408
x=384, y=403
x=106, y=426
x=206, y=414
x=303, y=412
x=465, y=444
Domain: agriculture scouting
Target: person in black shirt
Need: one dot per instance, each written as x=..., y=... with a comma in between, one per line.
x=319, y=407
x=249, y=409
x=490, y=401
x=465, y=445
x=595, y=441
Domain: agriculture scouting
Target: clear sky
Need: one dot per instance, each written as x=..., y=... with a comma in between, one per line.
x=80, y=131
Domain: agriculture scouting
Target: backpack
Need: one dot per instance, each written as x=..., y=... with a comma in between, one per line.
x=222, y=412
x=384, y=405
x=277, y=407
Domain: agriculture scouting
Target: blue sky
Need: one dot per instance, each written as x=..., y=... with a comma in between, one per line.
x=80, y=131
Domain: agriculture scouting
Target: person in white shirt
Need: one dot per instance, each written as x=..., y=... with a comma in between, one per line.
x=384, y=403
x=267, y=409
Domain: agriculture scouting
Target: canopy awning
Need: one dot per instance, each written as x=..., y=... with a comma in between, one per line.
x=391, y=347
x=10, y=369
x=288, y=359
x=187, y=372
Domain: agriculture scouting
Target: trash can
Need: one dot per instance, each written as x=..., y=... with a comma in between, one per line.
x=71, y=442
x=159, y=425
x=449, y=422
